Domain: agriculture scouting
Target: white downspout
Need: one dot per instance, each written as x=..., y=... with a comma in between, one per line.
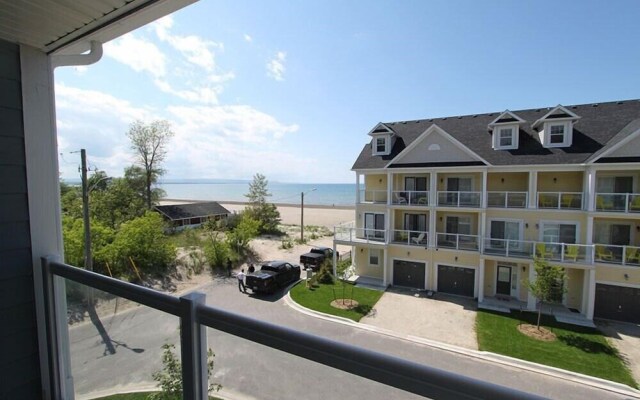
x=65, y=60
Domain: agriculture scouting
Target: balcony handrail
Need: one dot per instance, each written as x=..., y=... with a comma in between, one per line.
x=408, y=197
x=506, y=194
x=402, y=374
x=558, y=198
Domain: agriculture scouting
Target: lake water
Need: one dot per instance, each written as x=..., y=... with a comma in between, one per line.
x=339, y=194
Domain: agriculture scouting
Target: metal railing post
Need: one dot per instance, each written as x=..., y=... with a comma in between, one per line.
x=193, y=345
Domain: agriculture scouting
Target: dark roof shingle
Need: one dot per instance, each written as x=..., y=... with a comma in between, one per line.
x=192, y=210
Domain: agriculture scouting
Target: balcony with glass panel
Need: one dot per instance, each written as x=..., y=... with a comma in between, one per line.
x=507, y=189
x=560, y=200
x=459, y=190
x=410, y=190
x=615, y=192
x=410, y=228
x=560, y=190
x=374, y=189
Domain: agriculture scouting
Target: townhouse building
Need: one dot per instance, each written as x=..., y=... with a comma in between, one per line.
x=463, y=204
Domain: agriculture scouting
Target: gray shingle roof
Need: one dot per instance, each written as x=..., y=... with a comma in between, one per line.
x=600, y=127
x=192, y=210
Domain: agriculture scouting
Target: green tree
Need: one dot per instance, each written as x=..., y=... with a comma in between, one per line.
x=101, y=238
x=549, y=284
x=266, y=213
x=217, y=251
x=70, y=200
x=148, y=142
x=116, y=204
x=143, y=240
x=247, y=229
x=170, y=377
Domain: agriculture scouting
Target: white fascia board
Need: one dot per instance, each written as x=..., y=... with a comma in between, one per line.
x=495, y=122
x=125, y=19
x=615, y=146
x=425, y=134
x=380, y=124
x=559, y=107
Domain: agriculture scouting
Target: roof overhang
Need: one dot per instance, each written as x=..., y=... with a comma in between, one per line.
x=68, y=27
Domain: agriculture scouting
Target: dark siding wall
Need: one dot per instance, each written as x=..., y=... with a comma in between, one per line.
x=19, y=364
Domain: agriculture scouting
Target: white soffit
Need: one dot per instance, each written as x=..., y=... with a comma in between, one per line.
x=67, y=26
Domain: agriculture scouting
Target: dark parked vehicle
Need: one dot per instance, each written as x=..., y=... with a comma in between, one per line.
x=272, y=275
x=316, y=257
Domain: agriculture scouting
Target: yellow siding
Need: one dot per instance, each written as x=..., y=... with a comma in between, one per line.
x=534, y=217
x=398, y=180
x=476, y=180
x=574, y=288
x=441, y=220
x=616, y=274
x=513, y=182
x=398, y=217
x=489, y=272
x=375, y=182
x=368, y=208
x=362, y=263
x=565, y=181
x=524, y=278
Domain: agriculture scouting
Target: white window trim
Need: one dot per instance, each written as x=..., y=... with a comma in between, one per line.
x=514, y=268
x=387, y=141
x=568, y=133
x=542, y=224
x=380, y=255
x=515, y=128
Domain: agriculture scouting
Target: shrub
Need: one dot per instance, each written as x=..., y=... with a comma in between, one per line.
x=287, y=243
x=217, y=252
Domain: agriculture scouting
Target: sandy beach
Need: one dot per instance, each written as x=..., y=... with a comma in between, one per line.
x=327, y=216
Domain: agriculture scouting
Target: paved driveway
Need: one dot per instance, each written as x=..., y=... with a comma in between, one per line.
x=446, y=319
x=626, y=338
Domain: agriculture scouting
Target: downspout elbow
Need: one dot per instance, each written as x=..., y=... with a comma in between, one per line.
x=94, y=55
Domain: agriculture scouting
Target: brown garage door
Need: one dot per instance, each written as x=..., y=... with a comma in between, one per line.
x=456, y=280
x=409, y=274
x=618, y=303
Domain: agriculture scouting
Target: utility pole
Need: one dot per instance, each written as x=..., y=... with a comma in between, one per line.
x=88, y=259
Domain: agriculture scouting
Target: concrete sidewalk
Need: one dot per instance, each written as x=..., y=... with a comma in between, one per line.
x=578, y=378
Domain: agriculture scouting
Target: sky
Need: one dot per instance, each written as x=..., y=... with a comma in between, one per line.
x=290, y=89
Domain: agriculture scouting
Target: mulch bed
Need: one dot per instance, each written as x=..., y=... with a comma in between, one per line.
x=534, y=332
x=344, y=304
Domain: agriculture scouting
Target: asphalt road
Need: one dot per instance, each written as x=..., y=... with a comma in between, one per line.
x=251, y=371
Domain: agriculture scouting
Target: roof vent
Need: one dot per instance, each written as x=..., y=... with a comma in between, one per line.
x=474, y=116
x=417, y=121
x=594, y=105
x=444, y=119
x=460, y=117
x=621, y=102
x=403, y=122
x=537, y=110
x=431, y=120
x=575, y=107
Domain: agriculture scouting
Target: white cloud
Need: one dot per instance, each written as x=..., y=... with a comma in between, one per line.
x=248, y=38
x=276, y=68
x=206, y=95
x=139, y=54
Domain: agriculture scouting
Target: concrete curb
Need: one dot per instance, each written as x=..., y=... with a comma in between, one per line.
x=576, y=377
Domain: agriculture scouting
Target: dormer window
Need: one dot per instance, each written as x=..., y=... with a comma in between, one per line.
x=382, y=140
x=557, y=127
x=505, y=130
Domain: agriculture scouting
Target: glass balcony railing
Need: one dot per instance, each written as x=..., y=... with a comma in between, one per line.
x=363, y=235
x=507, y=199
x=618, y=202
x=459, y=199
x=621, y=255
x=292, y=359
x=560, y=200
x=373, y=196
x=561, y=252
x=457, y=241
x=410, y=198
x=412, y=238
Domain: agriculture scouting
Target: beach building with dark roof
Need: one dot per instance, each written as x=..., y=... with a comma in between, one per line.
x=191, y=215
x=463, y=204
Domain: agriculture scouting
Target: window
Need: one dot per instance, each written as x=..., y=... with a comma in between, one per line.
x=374, y=225
x=559, y=233
x=381, y=145
x=506, y=231
x=505, y=137
x=459, y=225
x=374, y=257
x=557, y=134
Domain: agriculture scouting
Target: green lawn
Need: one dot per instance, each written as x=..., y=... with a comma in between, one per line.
x=319, y=298
x=579, y=349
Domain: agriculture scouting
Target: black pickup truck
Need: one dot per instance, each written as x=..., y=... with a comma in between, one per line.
x=271, y=276
x=316, y=257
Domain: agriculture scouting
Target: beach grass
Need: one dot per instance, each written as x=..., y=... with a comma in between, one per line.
x=579, y=349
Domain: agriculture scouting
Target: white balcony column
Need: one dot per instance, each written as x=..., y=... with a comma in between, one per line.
x=483, y=198
x=482, y=231
x=389, y=187
x=432, y=228
x=590, y=188
x=385, y=254
x=433, y=189
x=531, y=300
x=591, y=296
x=357, y=188
x=589, y=233
x=533, y=189
x=481, y=281
x=387, y=226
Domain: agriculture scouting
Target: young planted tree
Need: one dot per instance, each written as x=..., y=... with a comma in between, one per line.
x=149, y=141
x=549, y=284
x=265, y=213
